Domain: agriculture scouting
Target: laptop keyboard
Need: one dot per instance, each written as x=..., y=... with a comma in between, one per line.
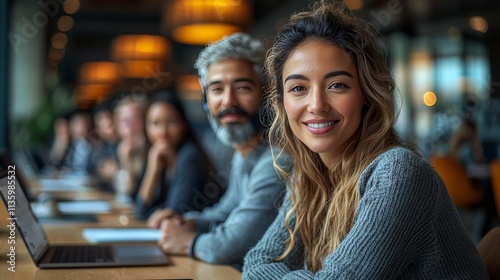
x=78, y=254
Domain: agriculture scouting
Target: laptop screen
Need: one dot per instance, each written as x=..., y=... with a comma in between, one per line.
x=6, y=163
x=20, y=212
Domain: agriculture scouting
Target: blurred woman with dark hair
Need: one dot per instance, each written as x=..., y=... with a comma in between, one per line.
x=177, y=169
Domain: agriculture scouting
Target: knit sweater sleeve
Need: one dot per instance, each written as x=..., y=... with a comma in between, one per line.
x=260, y=262
x=391, y=223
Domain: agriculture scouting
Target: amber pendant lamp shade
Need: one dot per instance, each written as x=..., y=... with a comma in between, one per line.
x=199, y=22
x=139, y=55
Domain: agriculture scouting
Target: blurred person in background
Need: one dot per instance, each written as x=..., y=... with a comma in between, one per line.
x=466, y=147
x=104, y=162
x=128, y=113
x=177, y=170
x=61, y=141
x=71, y=149
x=465, y=143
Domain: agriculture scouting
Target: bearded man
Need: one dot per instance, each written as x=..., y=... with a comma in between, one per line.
x=230, y=73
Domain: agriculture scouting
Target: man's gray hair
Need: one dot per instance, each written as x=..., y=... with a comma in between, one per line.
x=235, y=46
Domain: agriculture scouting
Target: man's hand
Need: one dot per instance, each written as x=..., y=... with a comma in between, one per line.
x=176, y=237
x=159, y=215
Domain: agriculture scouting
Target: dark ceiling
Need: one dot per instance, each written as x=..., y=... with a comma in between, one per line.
x=97, y=22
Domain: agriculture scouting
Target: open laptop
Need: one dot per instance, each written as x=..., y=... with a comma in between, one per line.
x=7, y=162
x=46, y=255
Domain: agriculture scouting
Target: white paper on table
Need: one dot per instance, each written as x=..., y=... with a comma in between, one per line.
x=84, y=207
x=97, y=235
x=60, y=185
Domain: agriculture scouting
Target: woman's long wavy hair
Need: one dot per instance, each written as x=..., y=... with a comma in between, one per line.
x=325, y=198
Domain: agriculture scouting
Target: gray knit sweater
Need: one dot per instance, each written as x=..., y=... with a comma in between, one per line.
x=406, y=227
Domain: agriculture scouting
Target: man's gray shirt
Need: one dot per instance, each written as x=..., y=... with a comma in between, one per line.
x=251, y=202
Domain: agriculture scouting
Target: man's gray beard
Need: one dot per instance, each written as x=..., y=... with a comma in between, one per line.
x=231, y=134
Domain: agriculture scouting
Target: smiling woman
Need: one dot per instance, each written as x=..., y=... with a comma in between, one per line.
x=360, y=205
x=322, y=97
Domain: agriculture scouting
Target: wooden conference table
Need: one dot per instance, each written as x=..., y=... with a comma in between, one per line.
x=71, y=232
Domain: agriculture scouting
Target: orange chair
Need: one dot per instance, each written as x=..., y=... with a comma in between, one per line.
x=489, y=249
x=459, y=186
x=495, y=181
